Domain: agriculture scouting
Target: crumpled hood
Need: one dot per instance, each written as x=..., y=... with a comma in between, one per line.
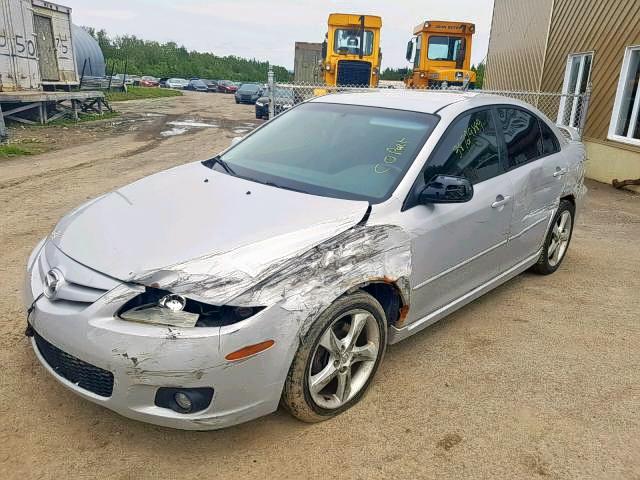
x=190, y=223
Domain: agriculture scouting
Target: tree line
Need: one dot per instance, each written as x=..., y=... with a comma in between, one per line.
x=147, y=57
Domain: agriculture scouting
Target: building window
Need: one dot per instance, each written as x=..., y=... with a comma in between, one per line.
x=576, y=79
x=625, y=121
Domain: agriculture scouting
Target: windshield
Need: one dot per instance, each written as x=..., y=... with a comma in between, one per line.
x=348, y=41
x=198, y=83
x=444, y=48
x=343, y=151
x=249, y=88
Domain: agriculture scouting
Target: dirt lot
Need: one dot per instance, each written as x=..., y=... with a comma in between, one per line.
x=540, y=378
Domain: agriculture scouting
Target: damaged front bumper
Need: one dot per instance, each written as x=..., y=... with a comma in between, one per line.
x=143, y=358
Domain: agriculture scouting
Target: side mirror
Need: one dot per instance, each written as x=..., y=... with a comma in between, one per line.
x=409, y=50
x=324, y=49
x=447, y=189
x=235, y=140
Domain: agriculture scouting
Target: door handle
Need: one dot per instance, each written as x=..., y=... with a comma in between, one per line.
x=559, y=172
x=500, y=201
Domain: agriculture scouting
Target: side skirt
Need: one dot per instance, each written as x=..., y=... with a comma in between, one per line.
x=398, y=334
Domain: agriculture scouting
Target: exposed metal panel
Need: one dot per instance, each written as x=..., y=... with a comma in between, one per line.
x=605, y=27
x=46, y=48
x=517, y=44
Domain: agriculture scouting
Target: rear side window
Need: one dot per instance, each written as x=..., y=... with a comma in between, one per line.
x=469, y=149
x=550, y=143
x=521, y=134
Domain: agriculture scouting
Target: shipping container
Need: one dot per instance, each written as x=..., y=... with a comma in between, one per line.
x=307, y=63
x=35, y=46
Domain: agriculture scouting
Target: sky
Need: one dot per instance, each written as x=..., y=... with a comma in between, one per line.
x=268, y=30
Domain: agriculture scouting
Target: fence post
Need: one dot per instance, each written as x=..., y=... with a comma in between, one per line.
x=585, y=109
x=272, y=92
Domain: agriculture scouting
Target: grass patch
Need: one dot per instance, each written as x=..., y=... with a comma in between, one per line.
x=138, y=93
x=10, y=151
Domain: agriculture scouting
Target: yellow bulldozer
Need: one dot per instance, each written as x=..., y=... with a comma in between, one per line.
x=351, y=53
x=441, y=55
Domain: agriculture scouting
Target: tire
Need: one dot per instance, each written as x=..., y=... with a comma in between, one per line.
x=557, y=241
x=312, y=358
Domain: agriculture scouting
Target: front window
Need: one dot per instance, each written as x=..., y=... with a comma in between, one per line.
x=625, y=122
x=347, y=41
x=444, y=48
x=342, y=151
x=469, y=149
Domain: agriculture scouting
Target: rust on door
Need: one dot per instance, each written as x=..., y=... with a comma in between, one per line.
x=47, y=57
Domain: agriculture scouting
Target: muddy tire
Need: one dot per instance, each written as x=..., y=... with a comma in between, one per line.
x=557, y=240
x=337, y=359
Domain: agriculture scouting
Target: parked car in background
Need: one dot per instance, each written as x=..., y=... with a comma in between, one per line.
x=197, y=85
x=284, y=100
x=212, y=85
x=162, y=83
x=347, y=223
x=249, y=93
x=178, y=83
x=132, y=80
x=227, y=86
x=149, y=81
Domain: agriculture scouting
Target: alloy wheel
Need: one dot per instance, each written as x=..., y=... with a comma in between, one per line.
x=559, y=238
x=344, y=359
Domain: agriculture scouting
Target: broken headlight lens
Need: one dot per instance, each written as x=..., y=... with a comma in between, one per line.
x=161, y=307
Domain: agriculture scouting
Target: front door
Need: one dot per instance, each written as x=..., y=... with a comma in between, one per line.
x=458, y=247
x=47, y=55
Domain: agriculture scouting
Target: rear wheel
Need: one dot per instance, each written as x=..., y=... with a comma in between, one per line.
x=557, y=241
x=337, y=359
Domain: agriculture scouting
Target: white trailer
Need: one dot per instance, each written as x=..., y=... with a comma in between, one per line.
x=35, y=46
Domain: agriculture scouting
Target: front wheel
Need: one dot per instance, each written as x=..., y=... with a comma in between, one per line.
x=557, y=241
x=337, y=359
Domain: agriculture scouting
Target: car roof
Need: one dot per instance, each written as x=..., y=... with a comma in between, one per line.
x=428, y=101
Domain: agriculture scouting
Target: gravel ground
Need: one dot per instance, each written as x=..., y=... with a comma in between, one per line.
x=540, y=378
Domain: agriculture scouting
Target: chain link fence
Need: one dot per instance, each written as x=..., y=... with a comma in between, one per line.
x=567, y=110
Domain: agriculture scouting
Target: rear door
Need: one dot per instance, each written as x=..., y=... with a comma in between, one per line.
x=537, y=168
x=458, y=247
x=48, y=58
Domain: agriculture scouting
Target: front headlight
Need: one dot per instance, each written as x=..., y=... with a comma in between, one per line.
x=260, y=104
x=161, y=307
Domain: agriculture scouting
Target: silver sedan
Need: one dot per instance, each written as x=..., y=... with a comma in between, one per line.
x=278, y=271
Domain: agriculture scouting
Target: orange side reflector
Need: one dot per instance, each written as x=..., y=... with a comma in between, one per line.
x=250, y=350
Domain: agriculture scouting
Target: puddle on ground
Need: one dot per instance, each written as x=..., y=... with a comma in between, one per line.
x=191, y=123
x=173, y=132
x=155, y=115
x=240, y=130
x=183, y=126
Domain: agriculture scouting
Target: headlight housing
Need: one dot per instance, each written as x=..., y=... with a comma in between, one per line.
x=162, y=307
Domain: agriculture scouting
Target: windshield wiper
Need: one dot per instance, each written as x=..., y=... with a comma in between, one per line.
x=271, y=184
x=217, y=159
